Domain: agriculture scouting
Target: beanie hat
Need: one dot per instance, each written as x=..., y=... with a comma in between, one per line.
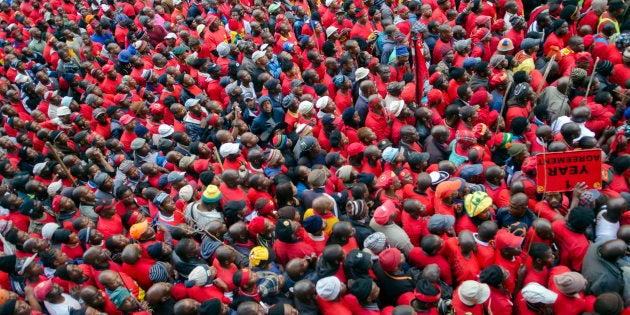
x=358, y=261
x=211, y=194
x=361, y=288
x=212, y=306
x=375, y=242
x=199, y=276
x=328, y=288
x=158, y=272
x=313, y=224
x=570, y=283
x=389, y=259
x=284, y=230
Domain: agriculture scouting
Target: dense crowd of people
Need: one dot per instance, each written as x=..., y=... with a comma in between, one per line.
x=359, y=157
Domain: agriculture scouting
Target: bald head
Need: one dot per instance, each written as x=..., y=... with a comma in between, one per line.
x=403, y=310
x=615, y=208
x=581, y=113
x=487, y=230
x=613, y=249
x=563, y=85
x=187, y=307
x=296, y=267
x=431, y=244
x=304, y=290
x=466, y=241
x=624, y=233
x=131, y=254
x=158, y=293
x=431, y=272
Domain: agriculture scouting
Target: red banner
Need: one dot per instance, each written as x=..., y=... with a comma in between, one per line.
x=560, y=171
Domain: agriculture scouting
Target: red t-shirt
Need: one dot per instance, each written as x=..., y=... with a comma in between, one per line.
x=500, y=302
x=333, y=308
x=418, y=258
x=319, y=244
x=201, y=294
x=226, y=274
x=140, y=272
x=413, y=227
x=109, y=227
x=426, y=199
x=287, y=251
x=573, y=246
x=460, y=308
x=485, y=254
x=463, y=268
x=229, y=194
x=511, y=266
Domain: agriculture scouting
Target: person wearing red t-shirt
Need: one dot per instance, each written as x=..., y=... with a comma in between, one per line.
x=570, y=238
x=224, y=258
x=554, y=43
x=470, y=297
x=508, y=257
x=109, y=223
x=203, y=285
x=569, y=285
x=534, y=299
x=413, y=220
x=362, y=28
x=329, y=291
x=484, y=238
x=553, y=207
x=459, y=253
x=421, y=192
x=287, y=246
x=316, y=237
x=230, y=189
x=137, y=267
x=429, y=253
x=541, y=260
x=500, y=298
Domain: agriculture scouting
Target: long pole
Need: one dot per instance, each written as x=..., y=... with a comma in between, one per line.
x=544, y=79
x=505, y=97
x=590, y=80
x=63, y=166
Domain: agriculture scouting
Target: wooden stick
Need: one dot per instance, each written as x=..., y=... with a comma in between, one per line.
x=63, y=166
x=218, y=157
x=544, y=79
x=566, y=94
x=505, y=97
x=590, y=80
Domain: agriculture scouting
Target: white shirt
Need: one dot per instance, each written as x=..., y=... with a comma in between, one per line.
x=604, y=229
x=63, y=308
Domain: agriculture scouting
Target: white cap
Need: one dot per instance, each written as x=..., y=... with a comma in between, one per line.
x=361, y=73
x=54, y=188
x=48, y=229
x=170, y=35
x=396, y=107
x=257, y=55
x=165, y=130
x=536, y=293
x=63, y=111
x=229, y=148
x=471, y=292
x=330, y=30
x=305, y=107
x=322, y=102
